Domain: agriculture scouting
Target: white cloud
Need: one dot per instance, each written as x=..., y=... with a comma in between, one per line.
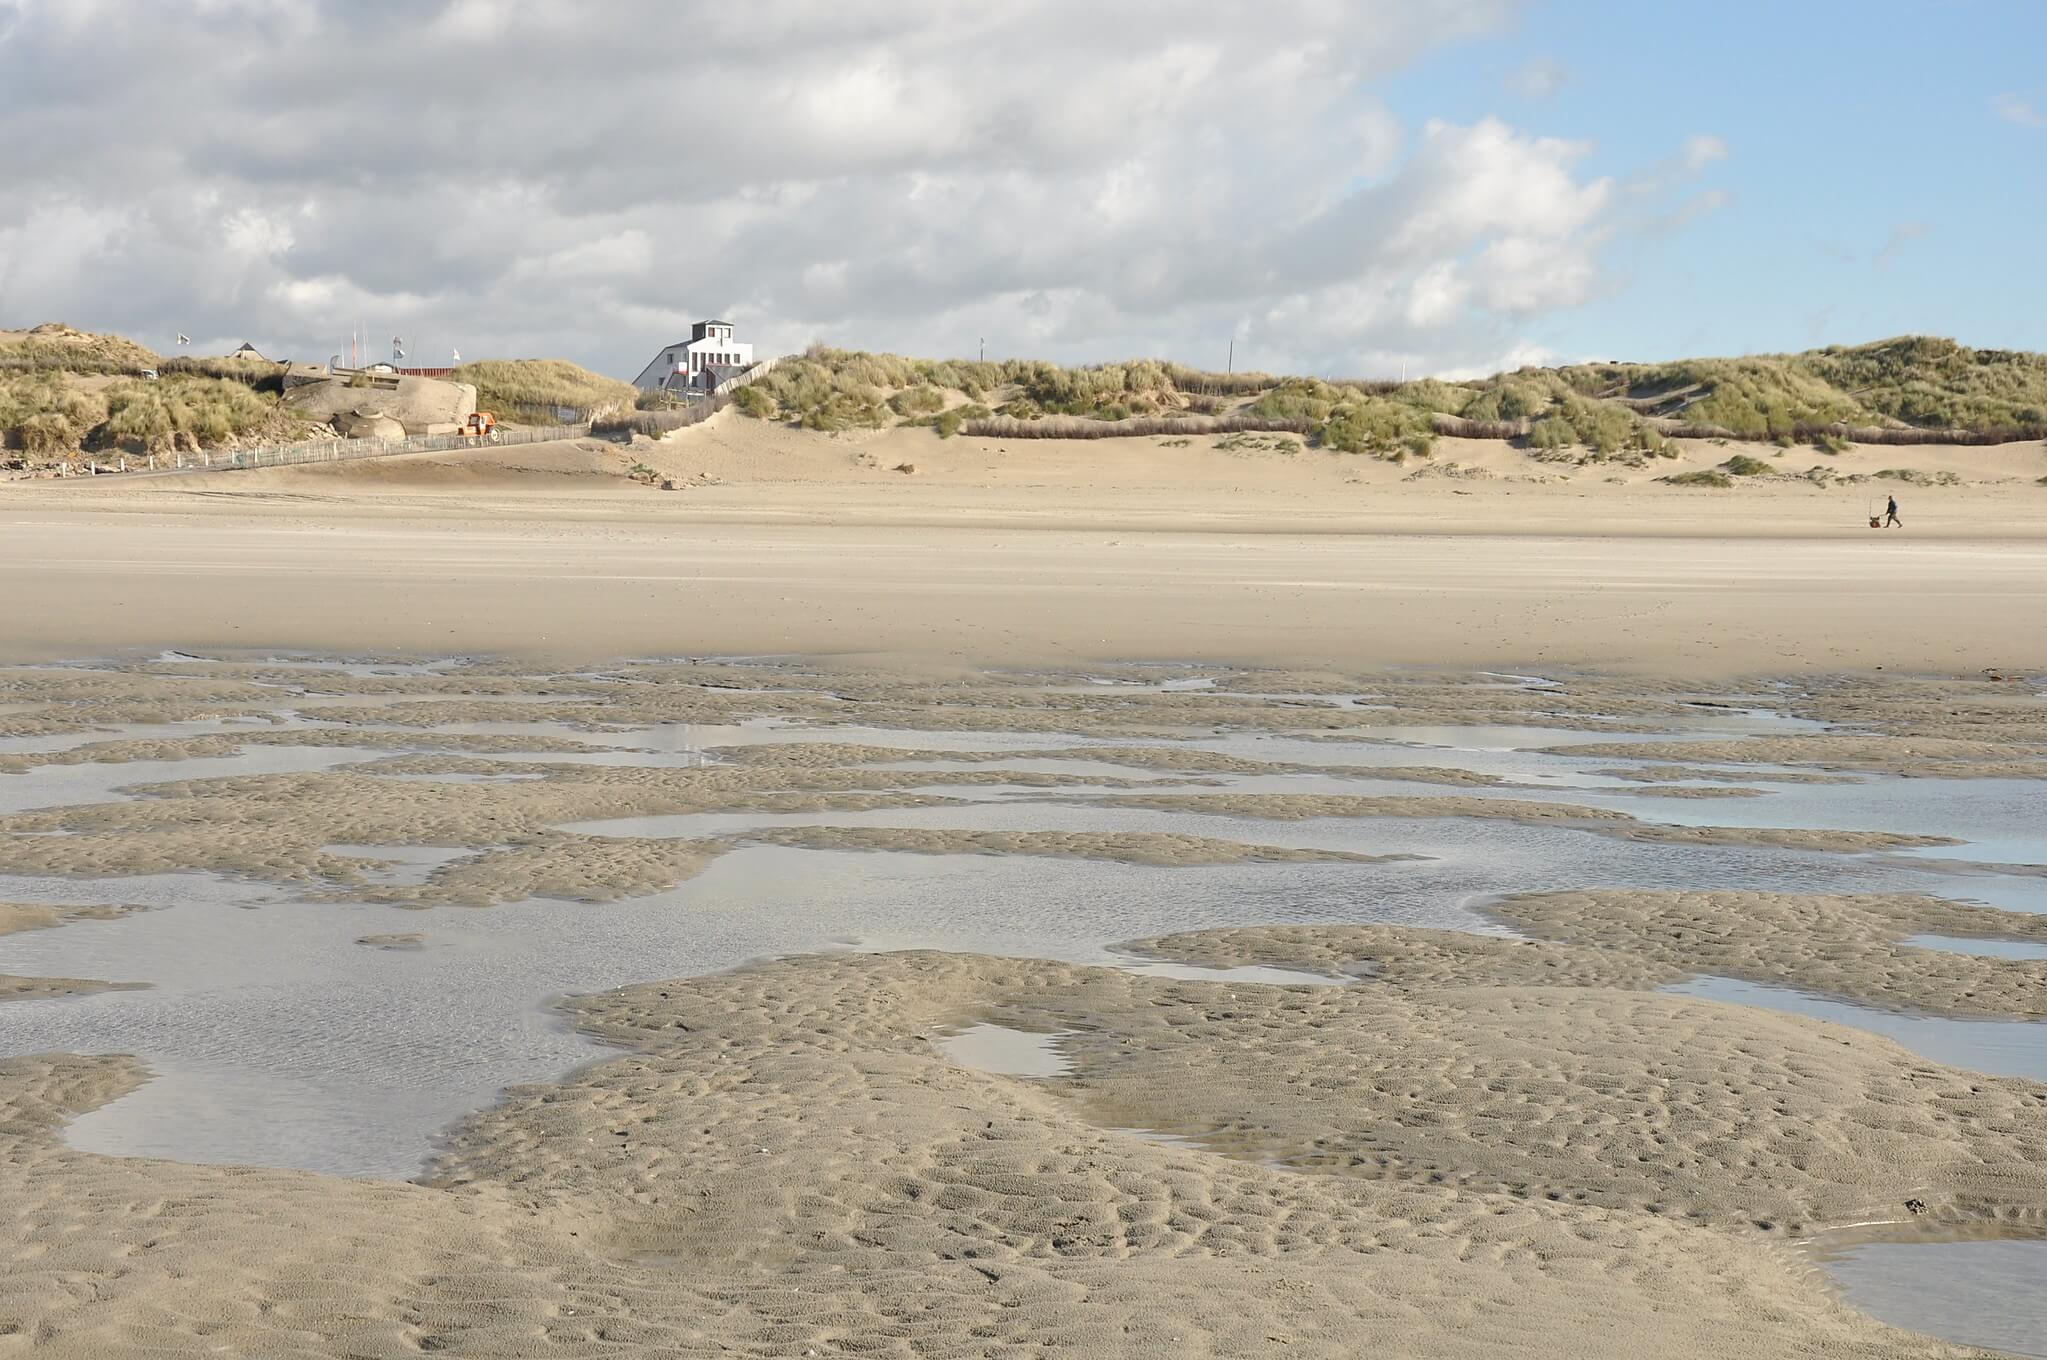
x=1702, y=150
x=1436, y=295
x=1539, y=78
x=2015, y=108
x=1071, y=179
x=247, y=231
x=1698, y=154
x=1520, y=356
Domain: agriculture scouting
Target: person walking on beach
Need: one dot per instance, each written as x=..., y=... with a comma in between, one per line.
x=1891, y=515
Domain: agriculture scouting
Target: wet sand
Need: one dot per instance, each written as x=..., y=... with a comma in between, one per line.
x=1474, y=1142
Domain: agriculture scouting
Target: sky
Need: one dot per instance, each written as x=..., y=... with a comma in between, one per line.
x=1353, y=188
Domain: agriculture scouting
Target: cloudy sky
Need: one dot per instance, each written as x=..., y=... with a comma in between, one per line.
x=1350, y=187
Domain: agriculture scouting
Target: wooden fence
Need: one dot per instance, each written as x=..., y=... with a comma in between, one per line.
x=1083, y=427
x=700, y=407
x=320, y=451
x=657, y=423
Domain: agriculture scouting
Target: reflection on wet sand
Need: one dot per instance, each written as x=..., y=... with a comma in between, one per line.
x=1314, y=867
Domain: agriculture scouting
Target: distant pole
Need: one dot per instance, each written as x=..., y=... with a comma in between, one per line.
x=1233, y=355
x=984, y=349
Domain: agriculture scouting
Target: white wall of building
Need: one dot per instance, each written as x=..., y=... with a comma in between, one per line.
x=690, y=357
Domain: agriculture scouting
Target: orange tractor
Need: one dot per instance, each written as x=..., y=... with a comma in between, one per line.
x=480, y=425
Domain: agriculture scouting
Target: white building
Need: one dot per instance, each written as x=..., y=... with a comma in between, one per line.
x=707, y=358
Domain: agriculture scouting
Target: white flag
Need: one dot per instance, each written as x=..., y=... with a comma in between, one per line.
x=456, y=355
x=184, y=339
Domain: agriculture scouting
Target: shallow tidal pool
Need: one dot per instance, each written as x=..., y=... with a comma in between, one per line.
x=342, y=1018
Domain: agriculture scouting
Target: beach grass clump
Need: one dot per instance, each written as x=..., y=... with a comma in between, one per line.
x=754, y=401
x=45, y=416
x=56, y=347
x=1103, y=392
x=845, y=411
x=921, y=400
x=1914, y=477
x=1741, y=465
x=1552, y=434
x=659, y=399
x=1298, y=399
x=536, y=391
x=1245, y=441
x=261, y=374
x=1704, y=477
x=197, y=412
x=1758, y=403
x=1204, y=383
x=948, y=422
x=1605, y=433
x=1831, y=443
x=1520, y=396
x=1376, y=425
x=1438, y=397
x=831, y=390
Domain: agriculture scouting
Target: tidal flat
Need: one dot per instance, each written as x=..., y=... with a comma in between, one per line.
x=655, y=998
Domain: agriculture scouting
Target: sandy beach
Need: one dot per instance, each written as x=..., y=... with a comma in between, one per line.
x=786, y=542
x=1482, y=780
x=1022, y=682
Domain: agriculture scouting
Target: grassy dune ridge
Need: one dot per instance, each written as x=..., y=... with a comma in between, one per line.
x=47, y=417
x=1909, y=389
x=63, y=391
x=533, y=390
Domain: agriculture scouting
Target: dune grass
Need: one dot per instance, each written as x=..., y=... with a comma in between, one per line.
x=1910, y=389
x=1916, y=381
x=834, y=390
x=54, y=346
x=201, y=411
x=1907, y=390
x=261, y=374
x=532, y=391
x=46, y=416
x=1706, y=477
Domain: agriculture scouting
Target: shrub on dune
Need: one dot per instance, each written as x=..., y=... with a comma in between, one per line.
x=755, y=401
x=1377, y=425
x=202, y=410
